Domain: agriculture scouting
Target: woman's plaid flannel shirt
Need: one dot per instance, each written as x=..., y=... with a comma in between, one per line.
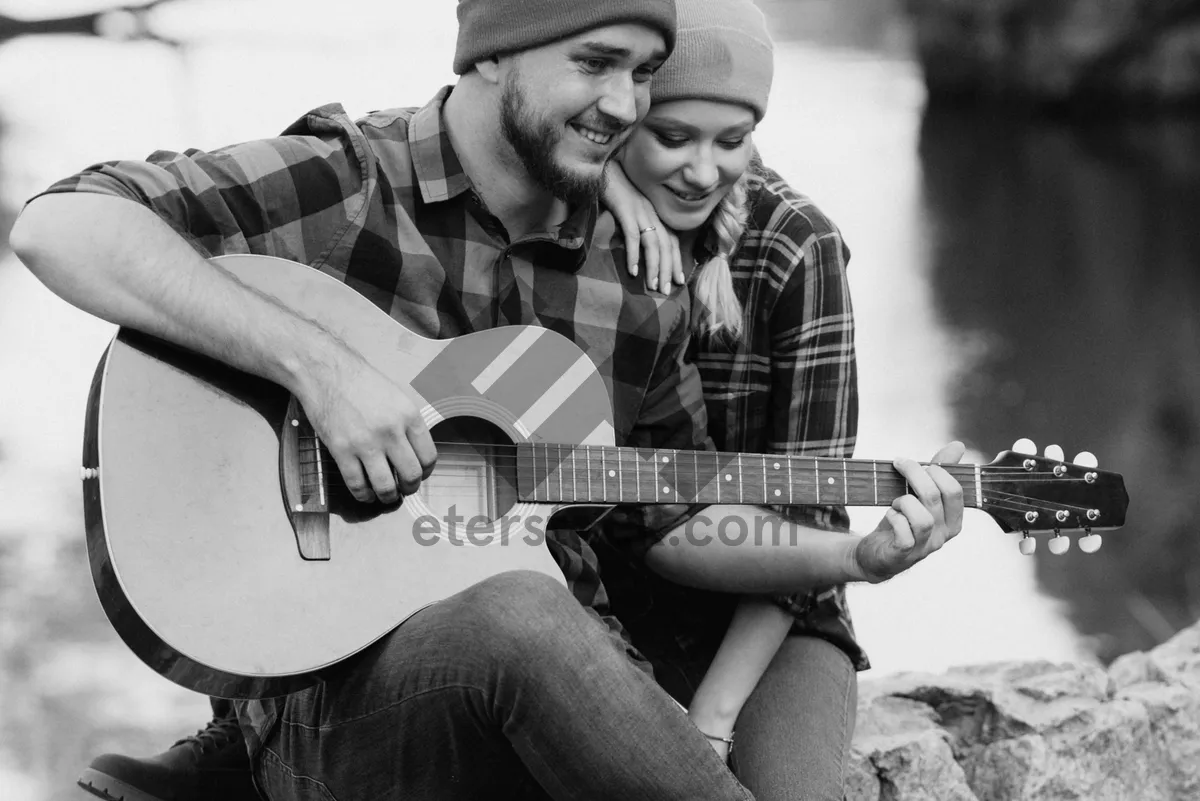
x=790, y=386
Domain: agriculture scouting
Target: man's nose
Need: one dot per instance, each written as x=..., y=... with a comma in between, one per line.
x=620, y=99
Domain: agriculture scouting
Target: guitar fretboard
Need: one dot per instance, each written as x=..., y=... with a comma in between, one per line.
x=603, y=474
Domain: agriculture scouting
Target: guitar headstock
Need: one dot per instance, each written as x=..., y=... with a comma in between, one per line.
x=1025, y=492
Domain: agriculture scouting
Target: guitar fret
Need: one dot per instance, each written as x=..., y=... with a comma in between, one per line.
x=603, y=474
x=637, y=472
x=533, y=469
x=791, y=483
x=766, y=499
x=587, y=466
x=696, y=469
x=559, y=462
x=717, y=473
x=875, y=479
x=978, y=486
x=675, y=465
x=775, y=485
x=544, y=474
x=845, y=484
x=658, y=473
x=574, y=492
x=621, y=475
x=543, y=485
x=741, y=487
x=817, y=475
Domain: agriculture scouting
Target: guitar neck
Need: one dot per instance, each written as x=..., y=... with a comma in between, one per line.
x=604, y=475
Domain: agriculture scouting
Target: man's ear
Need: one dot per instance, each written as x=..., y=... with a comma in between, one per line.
x=489, y=69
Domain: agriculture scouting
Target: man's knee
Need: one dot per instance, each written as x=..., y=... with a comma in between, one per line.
x=523, y=612
x=519, y=599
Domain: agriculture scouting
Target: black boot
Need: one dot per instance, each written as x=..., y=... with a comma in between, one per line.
x=211, y=764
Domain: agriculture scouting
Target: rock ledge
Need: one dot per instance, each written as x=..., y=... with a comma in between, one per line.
x=1034, y=730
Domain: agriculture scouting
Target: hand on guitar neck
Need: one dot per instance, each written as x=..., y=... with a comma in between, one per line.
x=918, y=523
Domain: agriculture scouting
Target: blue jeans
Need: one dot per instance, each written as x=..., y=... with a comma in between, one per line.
x=793, y=735
x=510, y=689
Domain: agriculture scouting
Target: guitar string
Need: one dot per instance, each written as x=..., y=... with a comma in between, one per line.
x=652, y=454
x=857, y=466
x=751, y=487
x=1075, y=524
x=859, y=479
x=593, y=472
x=594, y=475
x=995, y=498
x=967, y=471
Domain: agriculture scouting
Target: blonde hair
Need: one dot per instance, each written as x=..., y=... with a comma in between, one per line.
x=720, y=309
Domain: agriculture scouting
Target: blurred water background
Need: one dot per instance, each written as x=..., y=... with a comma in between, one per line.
x=1013, y=277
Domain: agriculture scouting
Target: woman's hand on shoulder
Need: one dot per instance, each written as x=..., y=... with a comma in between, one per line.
x=645, y=235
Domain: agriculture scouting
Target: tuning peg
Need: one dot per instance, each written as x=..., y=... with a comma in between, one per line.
x=1025, y=445
x=1090, y=544
x=1059, y=545
x=1085, y=459
x=1027, y=545
x=1054, y=453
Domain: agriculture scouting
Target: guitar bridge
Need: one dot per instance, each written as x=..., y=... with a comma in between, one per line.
x=304, y=478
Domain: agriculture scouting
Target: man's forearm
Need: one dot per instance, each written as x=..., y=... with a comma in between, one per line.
x=748, y=549
x=117, y=260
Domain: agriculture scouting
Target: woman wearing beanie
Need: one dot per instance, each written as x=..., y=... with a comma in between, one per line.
x=775, y=347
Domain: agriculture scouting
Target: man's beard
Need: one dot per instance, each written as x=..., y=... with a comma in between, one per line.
x=535, y=142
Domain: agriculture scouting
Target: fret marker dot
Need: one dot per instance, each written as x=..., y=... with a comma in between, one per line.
x=666, y=459
x=666, y=490
x=777, y=465
x=728, y=477
x=295, y=423
x=612, y=473
x=777, y=492
x=831, y=481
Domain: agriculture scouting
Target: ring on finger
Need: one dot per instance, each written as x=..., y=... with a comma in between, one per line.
x=647, y=229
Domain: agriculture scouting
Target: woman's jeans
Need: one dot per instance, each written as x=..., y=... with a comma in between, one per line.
x=509, y=689
x=793, y=735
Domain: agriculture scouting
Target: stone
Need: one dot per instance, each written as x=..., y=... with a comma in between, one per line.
x=1034, y=731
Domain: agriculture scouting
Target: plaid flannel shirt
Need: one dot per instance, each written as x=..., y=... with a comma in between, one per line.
x=789, y=386
x=385, y=206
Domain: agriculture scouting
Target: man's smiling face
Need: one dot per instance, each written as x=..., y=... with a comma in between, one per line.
x=568, y=106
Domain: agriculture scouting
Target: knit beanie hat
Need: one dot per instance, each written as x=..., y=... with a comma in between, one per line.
x=489, y=27
x=722, y=52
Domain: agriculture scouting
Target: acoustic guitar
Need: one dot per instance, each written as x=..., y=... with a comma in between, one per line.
x=230, y=558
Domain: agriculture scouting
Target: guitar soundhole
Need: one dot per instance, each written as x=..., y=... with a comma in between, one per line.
x=476, y=473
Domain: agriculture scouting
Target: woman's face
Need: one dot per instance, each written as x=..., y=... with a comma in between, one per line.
x=686, y=155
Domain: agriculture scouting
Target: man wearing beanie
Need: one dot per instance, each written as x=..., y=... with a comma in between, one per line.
x=475, y=211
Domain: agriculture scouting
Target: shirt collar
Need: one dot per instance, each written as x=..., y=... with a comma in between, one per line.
x=440, y=176
x=576, y=233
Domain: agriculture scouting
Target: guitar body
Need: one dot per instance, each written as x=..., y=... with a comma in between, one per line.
x=224, y=574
